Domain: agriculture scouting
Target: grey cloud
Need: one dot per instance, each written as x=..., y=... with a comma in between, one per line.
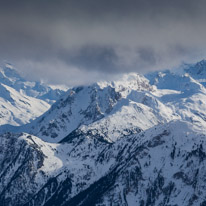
x=94, y=58
x=99, y=38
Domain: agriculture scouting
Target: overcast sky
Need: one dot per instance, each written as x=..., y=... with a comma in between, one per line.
x=80, y=41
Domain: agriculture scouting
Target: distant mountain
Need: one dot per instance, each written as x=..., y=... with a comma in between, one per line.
x=182, y=93
x=22, y=100
x=10, y=77
x=112, y=109
x=117, y=108
x=197, y=71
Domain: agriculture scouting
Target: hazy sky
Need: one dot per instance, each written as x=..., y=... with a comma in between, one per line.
x=80, y=41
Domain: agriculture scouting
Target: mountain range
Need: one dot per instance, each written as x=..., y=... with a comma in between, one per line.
x=139, y=140
x=22, y=100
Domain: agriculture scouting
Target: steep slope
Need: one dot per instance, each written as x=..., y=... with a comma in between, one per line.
x=10, y=77
x=17, y=108
x=173, y=81
x=113, y=109
x=184, y=95
x=21, y=100
x=110, y=108
x=197, y=71
x=21, y=157
x=164, y=165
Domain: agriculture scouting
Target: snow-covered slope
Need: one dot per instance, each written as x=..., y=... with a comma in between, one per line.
x=197, y=71
x=164, y=165
x=110, y=109
x=17, y=108
x=184, y=95
x=10, y=77
x=21, y=100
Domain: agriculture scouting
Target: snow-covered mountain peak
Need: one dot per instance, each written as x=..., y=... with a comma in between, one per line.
x=9, y=75
x=22, y=100
x=111, y=109
x=199, y=68
x=80, y=105
x=197, y=71
x=127, y=83
x=119, y=107
x=172, y=81
x=133, y=81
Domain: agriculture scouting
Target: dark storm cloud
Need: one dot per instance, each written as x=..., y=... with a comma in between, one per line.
x=85, y=40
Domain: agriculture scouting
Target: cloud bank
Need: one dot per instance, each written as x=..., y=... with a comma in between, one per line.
x=76, y=42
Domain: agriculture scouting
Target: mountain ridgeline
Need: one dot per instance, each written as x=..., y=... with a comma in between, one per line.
x=139, y=140
x=22, y=101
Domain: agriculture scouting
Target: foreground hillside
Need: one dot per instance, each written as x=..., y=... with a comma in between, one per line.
x=164, y=165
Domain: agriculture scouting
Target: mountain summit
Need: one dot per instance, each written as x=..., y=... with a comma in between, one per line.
x=22, y=100
x=197, y=71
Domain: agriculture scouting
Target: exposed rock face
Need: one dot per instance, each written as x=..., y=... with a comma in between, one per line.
x=19, y=162
x=164, y=165
x=107, y=107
